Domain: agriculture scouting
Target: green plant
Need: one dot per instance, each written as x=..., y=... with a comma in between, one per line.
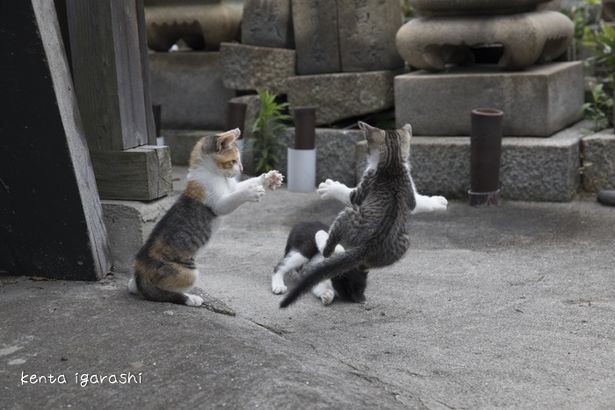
x=600, y=108
x=406, y=9
x=602, y=42
x=266, y=130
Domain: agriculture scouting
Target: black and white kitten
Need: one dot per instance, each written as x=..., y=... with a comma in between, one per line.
x=304, y=248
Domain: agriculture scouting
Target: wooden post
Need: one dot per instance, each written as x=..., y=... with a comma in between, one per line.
x=109, y=63
x=50, y=213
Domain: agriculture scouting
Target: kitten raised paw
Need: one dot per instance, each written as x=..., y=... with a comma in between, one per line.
x=255, y=193
x=193, y=300
x=326, y=189
x=273, y=179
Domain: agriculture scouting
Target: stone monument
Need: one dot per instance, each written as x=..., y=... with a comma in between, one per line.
x=485, y=53
x=188, y=83
x=338, y=56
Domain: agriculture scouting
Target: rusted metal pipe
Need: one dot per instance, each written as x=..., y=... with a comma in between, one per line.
x=486, y=152
x=236, y=116
x=302, y=158
x=305, y=127
x=157, y=109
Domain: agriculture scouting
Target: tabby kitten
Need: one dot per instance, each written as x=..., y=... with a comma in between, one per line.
x=164, y=267
x=373, y=229
x=304, y=247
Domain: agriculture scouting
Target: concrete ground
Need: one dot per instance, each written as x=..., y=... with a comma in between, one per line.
x=502, y=307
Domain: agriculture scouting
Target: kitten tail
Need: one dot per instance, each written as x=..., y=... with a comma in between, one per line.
x=327, y=269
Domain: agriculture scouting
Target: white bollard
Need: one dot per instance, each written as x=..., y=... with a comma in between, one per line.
x=301, y=170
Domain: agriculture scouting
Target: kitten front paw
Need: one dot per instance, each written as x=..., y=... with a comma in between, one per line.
x=438, y=203
x=273, y=179
x=193, y=300
x=328, y=188
x=254, y=193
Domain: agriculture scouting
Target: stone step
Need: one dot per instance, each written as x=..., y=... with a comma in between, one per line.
x=598, y=152
x=533, y=169
x=537, y=102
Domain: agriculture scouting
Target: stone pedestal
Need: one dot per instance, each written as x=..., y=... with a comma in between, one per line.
x=129, y=223
x=189, y=87
x=342, y=95
x=536, y=102
x=249, y=67
x=532, y=169
x=599, y=161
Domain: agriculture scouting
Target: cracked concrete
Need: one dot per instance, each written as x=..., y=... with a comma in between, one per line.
x=502, y=307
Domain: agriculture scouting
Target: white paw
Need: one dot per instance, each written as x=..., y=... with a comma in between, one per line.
x=327, y=296
x=279, y=289
x=321, y=239
x=255, y=193
x=277, y=284
x=438, y=203
x=328, y=188
x=193, y=300
x=132, y=286
x=273, y=179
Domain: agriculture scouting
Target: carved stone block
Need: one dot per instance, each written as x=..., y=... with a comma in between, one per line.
x=472, y=7
x=342, y=95
x=189, y=87
x=267, y=23
x=367, y=31
x=249, y=67
x=315, y=24
x=202, y=25
x=525, y=39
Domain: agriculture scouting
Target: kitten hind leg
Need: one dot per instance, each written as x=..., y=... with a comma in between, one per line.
x=324, y=291
x=321, y=238
x=132, y=286
x=292, y=260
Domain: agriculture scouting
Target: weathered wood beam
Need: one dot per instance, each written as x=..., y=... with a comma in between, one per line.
x=142, y=173
x=50, y=214
x=108, y=73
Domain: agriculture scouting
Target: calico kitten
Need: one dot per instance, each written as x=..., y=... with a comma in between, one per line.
x=164, y=267
x=304, y=248
x=373, y=229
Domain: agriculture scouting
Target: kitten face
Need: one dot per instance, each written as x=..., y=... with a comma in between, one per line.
x=218, y=153
x=381, y=142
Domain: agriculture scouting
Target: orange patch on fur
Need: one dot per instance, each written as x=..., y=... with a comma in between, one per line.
x=195, y=191
x=225, y=158
x=176, y=277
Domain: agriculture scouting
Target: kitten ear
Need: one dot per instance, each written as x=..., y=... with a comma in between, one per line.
x=372, y=134
x=224, y=140
x=407, y=128
x=364, y=126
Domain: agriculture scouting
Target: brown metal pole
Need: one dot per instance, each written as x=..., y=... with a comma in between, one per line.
x=236, y=116
x=486, y=152
x=305, y=127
